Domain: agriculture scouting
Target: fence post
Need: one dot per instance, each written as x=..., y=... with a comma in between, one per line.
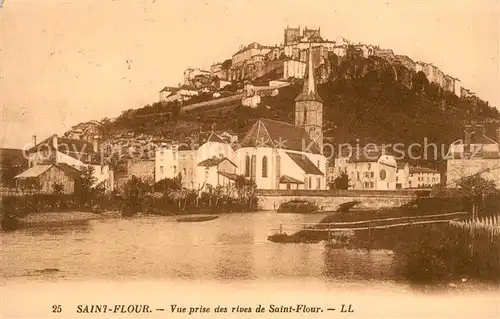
x=329, y=235
x=369, y=235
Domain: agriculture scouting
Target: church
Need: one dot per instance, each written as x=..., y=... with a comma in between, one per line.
x=280, y=155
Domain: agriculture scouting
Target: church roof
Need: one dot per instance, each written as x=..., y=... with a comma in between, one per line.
x=305, y=163
x=276, y=134
x=309, y=92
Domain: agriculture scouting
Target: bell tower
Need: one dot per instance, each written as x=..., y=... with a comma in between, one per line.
x=309, y=106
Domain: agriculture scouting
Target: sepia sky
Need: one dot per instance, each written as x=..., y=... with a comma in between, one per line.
x=68, y=61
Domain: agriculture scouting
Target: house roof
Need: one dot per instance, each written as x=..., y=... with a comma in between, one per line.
x=169, y=89
x=233, y=176
x=253, y=45
x=214, y=161
x=363, y=154
x=68, y=169
x=304, y=163
x=422, y=170
x=187, y=87
x=34, y=171
x=276, y=134
x=38, y=170
x=285, y=179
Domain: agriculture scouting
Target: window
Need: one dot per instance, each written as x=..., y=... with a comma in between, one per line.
x=288, y=186
x=161, y=170
x=318, y=164
x=264, y=166
x=175, y=169
x=358, y=175
x=253, y=168
x=305, y=116
x=310, y=182
x=372, y=174
x=318, y=183
x=372, y=185
x=206, y=173
x=383, y=174
x=247, y=166
x=369, y=166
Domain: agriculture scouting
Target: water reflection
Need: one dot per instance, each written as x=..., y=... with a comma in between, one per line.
x=359, y=265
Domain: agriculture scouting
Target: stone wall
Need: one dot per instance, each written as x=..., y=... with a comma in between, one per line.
x=330, y=200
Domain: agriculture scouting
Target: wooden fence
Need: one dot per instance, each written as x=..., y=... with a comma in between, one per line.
x=489, y=225
x=383, y=223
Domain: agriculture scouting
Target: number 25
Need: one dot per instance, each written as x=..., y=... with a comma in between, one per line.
x=56, y=308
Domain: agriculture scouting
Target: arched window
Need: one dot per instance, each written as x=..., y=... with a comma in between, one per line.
x=247, y=166
x=264, y=166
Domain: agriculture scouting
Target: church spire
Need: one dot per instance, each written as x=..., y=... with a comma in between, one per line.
x=309, y=89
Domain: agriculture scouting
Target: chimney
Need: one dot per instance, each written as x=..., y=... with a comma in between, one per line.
x=34, y=140
x=468, y=132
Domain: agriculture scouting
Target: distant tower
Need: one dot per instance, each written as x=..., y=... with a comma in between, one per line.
x=311, y=32
x=291, y=35
x=309, y=106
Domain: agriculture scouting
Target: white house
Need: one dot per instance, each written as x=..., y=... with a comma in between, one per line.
x=477, y=154
x=370, y=168
x=182, y=93
x=294, y=69
x=166, y=162
x=402, y=175
x=423, y=177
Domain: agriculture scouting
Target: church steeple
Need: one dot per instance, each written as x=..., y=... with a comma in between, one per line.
x=309, y=92
x=309, y=106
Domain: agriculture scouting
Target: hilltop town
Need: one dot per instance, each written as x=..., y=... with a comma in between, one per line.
x=287, y=61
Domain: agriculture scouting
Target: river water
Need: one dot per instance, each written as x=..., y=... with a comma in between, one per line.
x=158, y=261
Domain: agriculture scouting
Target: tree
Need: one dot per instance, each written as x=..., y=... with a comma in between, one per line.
x=341, y=182
x=475, y=187
x=167, y=185
x=135, y=191
x=84, y=189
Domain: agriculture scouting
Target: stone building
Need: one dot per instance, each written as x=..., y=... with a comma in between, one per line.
x=476, y=154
